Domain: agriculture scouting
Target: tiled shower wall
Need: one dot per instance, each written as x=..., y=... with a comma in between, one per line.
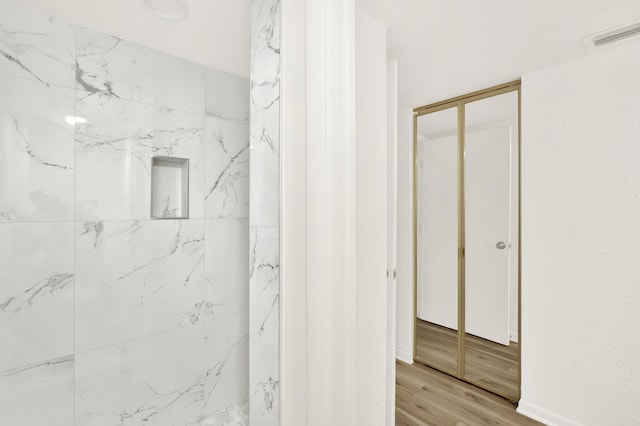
x=106, y=316
x=265, y=213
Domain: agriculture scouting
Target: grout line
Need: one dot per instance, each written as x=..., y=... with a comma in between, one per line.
x=148, y=336
x=128, y=220
x=75, y=127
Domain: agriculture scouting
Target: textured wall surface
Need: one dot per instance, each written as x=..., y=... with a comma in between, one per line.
x=265, y=212
x=580, y=233
x=127, y=319
x=371, y=218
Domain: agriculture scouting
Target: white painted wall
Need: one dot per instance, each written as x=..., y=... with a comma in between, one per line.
x=404, y=282
x=330, y=196
x=371, y=219
x=580, y=241
x=333, y=216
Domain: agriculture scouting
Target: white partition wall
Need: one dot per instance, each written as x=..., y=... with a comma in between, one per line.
x=580, y=232
x=371, y=218
x=340, y=266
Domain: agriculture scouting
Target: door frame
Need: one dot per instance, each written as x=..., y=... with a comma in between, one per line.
x=460, y=102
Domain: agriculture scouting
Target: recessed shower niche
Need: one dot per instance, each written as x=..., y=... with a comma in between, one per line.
x=169, y=188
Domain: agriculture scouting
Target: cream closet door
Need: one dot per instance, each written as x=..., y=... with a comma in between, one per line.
x=438, y=231
x=488, y=200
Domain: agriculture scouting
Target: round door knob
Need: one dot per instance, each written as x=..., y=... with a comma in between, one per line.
x=500, y=245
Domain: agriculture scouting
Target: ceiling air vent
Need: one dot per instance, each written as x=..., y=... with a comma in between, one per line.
x=614, y=35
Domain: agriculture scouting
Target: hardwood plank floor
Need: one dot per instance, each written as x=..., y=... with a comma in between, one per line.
x=488, y=363
x=425, y=396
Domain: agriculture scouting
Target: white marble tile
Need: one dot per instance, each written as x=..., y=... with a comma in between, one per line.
x=265, y=52
x=227, y=96
x=265, y=113
x=135, y=278
x=264, y=325
x=226, y=267
x=113, y=156
x=265, y=133
x=40, y=394
x=265, y=75
x=157, y=380
x=36, y=292
x=234, y=415
x=265, y=147
x=265, y=202
x=226, y=362
x=112, y=66
x=36, y=151
x=36, y=46
x=264, y=212
x=227, y=174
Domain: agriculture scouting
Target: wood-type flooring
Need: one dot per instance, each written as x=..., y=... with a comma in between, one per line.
x=425, y=396
x=487, y=363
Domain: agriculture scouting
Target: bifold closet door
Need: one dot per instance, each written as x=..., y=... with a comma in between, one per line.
x=437, y=274
x=490, y=135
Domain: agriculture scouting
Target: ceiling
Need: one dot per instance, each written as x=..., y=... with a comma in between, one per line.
x=443, y=48
x=449, y=48
x=216, y=32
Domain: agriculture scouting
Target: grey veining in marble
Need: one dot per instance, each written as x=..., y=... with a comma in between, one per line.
x=227, y=174
x=115, y=67
x=226, y=362
x=113, y=154
x=137, y=278
x=36, y=46
x=38, y=394
x=234, y=415
x=36, y=293
x=264, y=213
x=109, y=317
x=264, y=270
x=157, y=380
x=265, y=112
x=36, y=146
x=226, y=267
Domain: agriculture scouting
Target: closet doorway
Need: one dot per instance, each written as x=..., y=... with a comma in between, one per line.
x=466, y=229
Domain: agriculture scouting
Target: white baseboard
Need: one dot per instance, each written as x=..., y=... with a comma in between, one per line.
x=544, y=416
x=403, y=356
x=513, y=336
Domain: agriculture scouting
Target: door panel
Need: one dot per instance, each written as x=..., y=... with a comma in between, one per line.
x=439, y=255
x=491, y=135
x=437, y=244
x=487, y=190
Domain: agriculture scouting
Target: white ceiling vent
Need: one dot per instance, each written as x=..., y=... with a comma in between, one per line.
x=628, y=32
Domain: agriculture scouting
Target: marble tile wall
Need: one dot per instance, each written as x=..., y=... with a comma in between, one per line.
x=264, y=262
x=107, y=316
